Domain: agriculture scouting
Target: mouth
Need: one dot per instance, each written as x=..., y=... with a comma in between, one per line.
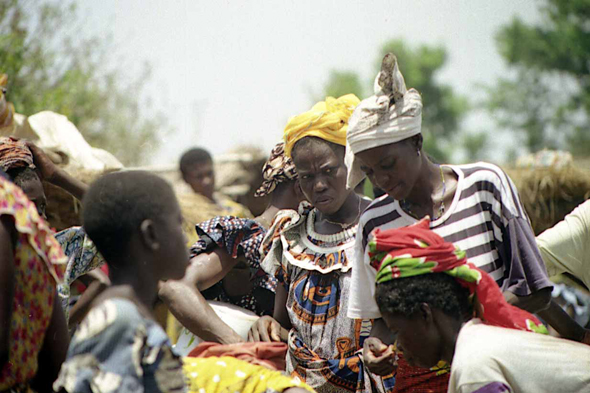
x=323, y=201
x=394, y=190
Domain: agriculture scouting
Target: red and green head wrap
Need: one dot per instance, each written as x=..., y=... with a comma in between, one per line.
x=415, y=250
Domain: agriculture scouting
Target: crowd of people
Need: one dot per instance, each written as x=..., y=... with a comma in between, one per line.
x=438, y=285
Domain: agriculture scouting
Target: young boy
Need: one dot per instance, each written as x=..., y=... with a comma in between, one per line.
x=135, y=222
x=425, y=289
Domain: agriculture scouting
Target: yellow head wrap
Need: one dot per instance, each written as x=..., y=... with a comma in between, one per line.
x=327, y=120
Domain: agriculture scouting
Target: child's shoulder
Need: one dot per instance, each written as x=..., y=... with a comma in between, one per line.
x=113, y=318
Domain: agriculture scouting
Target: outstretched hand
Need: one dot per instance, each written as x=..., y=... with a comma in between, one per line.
x=44, y=165
x=267, y=329
x=379, y=357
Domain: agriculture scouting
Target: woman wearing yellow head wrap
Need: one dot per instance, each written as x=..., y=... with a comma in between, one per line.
x=310, y=253
x=327, y=120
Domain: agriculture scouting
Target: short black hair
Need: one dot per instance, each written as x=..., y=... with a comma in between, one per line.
x=116, y=204
x=441, y=291
x=22, y=174
x=194, y=156
x=314, y=140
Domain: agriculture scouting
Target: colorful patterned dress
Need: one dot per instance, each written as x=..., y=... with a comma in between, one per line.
x=241, y=238
x=39, y=266
x=324, y=345
x=117, y=349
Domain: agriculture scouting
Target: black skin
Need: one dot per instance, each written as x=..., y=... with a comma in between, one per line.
x=322, y=176
x=201, y=178
x=183, y=297
x=403, y=171
x=426, y=337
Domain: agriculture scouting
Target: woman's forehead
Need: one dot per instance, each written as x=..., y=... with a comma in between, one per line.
x=316, y=155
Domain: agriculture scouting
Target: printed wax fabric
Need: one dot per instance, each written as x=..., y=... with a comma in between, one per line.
x=227, y=375
x=324, y=345
x=116, y=349
x=240, y=237
x=279, y=168
x=39, y=265
x=415, y=250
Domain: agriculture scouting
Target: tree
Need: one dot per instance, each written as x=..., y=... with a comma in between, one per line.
x=546, y=102
x=52, y=65
x=343, y=82
x=443, y=109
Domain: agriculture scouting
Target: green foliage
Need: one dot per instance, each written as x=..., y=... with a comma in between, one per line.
x=343, y=82
x=547, y=102
x=443, y=109
x=51, y=65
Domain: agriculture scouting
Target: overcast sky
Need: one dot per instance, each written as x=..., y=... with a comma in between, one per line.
x=228, y=73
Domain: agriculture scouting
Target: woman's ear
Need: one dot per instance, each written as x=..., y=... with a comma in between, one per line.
x=417, y=142
x=426, y=313
x=149, y=236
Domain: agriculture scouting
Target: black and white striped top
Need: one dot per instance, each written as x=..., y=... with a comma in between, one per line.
x=485, y=219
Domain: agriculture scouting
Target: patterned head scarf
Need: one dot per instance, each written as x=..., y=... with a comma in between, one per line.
x=279, y=168
x=415, y=250
x=327, y=120
x=14, y=154
x=392, y=114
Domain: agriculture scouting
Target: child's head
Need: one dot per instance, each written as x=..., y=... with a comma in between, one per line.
x=196, y=166
x=421, y=310
x=133, y=218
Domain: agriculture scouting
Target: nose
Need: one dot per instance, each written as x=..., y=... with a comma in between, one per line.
x=320, y=185
x=381, y=180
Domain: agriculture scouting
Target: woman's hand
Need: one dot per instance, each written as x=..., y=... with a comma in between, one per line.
x=267, y=329
x=379, y=357
x=45, y=166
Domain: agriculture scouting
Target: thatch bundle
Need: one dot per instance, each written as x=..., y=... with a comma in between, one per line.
x=548, y=194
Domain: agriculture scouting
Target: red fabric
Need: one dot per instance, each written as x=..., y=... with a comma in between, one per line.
x=419, y=380
x=418, y=241
x=270, y=355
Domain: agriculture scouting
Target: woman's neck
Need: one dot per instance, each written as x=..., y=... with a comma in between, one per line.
x=428, y=181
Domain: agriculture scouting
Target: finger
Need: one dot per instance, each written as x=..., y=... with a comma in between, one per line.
x=255, y=334
x=264, y=336
x=275, y=332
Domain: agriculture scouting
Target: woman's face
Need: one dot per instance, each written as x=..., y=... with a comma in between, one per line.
x=394, y=168
x=33, y=189
x=322, y=176
x=416, y=337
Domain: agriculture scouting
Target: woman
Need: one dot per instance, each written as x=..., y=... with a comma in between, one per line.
x=33, y=329
x=426, y=290
x=27, y=165
x=475, y=206
x=310, y=252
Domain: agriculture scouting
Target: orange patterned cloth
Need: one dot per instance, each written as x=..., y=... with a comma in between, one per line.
x=39, y=266
x=269, y=355
x=14, y=154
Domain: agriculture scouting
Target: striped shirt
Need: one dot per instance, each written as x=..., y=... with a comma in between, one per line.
x=485, y=219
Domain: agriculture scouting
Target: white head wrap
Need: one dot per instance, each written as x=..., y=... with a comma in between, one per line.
x=391, y=115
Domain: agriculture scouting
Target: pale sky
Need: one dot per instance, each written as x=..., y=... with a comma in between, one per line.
x=228, y=73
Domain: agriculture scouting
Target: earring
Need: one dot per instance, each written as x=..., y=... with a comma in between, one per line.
x=418, y=153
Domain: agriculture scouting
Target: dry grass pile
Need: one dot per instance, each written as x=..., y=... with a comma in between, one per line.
x=549, y=194
x=63, y=210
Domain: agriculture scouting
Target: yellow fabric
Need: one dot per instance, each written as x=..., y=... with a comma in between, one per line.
x=227, y=374
x=327, y=120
